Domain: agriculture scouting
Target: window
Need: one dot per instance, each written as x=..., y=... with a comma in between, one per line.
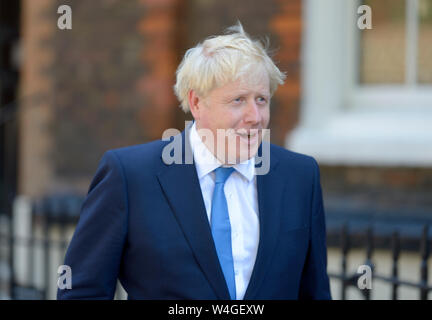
x=399, y=50
x=367, y=94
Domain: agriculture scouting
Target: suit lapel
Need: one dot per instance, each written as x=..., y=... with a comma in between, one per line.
x=270, y=193
x=181, y=186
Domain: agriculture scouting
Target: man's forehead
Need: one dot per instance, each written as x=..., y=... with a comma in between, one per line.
x=247, y=84
x=259, y=82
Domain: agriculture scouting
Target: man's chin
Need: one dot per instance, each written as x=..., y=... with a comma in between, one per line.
x=245, y=153
x=252, y=151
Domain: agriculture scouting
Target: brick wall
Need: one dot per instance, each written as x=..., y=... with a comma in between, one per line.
x=378, y=190
x=106, y=83
x=287, y=25
x=160, y=36
x=98, y=100
x=35, y=170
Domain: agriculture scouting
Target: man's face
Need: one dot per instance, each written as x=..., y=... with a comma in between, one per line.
x=242, y=110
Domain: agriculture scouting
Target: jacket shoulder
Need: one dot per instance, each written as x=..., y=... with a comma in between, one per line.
x=146, y=155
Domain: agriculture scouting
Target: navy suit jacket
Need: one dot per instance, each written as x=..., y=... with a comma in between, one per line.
x=144, y=222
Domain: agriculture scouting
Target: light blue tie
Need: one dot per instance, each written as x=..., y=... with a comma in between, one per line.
x=221, y=229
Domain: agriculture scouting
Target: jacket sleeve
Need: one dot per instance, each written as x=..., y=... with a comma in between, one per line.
x=314, y=281
x=95, y=251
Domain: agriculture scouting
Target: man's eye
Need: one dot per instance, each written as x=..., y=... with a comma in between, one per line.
x=262, y=100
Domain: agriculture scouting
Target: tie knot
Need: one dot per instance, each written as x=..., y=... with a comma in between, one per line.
x=222, y=174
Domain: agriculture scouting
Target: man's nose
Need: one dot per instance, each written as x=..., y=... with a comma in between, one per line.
x=252, y=113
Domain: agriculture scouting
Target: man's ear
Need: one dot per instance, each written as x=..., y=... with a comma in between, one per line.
x=194, y=103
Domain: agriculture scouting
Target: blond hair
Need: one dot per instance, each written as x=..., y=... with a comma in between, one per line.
x=220, y=60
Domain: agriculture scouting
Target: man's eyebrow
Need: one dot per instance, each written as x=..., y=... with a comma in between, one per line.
x=246, y=91
x=231, y=95
x=263, y=94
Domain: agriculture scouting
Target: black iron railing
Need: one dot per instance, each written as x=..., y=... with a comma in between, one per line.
x=32, y=273
x=351, y=280
x=40, y=250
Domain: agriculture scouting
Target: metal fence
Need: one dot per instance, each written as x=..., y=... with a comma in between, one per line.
x=351, y=280
x=33, y=244
x=34, y=240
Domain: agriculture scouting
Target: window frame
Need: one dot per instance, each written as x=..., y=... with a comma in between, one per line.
x=342, y=122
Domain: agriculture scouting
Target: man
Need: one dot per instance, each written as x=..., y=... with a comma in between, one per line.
x=215, y=227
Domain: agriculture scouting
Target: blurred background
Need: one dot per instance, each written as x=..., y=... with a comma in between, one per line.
x=358, y=100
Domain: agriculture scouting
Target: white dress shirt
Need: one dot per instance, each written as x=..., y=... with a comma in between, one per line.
x=242, y=199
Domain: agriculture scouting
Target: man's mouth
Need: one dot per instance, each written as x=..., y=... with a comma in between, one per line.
x=250, y=136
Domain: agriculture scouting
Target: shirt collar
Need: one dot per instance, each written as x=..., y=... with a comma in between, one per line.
x=206, y=162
